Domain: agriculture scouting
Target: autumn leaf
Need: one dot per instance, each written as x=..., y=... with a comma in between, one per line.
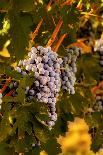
x=81, y=44
x=97, y=89
x=5, y=53
x=68, y=2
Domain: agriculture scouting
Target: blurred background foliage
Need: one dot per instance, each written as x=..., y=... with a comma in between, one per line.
x=83, y=24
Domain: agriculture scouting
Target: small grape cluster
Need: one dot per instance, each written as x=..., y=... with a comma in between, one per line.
x=85, y=31
x=99, y=103
x=69, y=69
x=51, y=72
x=0, y=99
x=99, y=48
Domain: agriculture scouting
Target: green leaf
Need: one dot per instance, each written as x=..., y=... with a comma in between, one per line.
x=6, y=150
x=61, y=124
x=3, y=39
x=9, y=99
x=23, y=117
x=70, y=16
x=5, y=128
x=43, y=117
x=25, y=81
x=98, y=140
x=41, y=131
x=25, y=144
x=36, y=150
x=24, y=5
x=4, y=4
x=52, y=147
x=38, y=13
x=21, y=91
x=18, y=35
x=94, y=119
x=90, y=67
x=78, y=103
x=12, y=73
x=29, y=79
x=38, y=107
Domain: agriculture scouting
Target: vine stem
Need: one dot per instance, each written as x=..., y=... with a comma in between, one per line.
x=55, y=32
x=3, y=11
x=68, y=2
x=35, y=33
x=5, y=85
x=55, y=48
x=90, y=14
x=10, y=93
x=96, y=89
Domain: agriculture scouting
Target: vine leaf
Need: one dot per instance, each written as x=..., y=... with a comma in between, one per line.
x=18, y=35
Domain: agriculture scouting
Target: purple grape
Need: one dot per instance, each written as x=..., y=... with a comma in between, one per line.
x=1, y=95
x=38, y=95
x=18, y=69
x=31, y=92
x=46, y=73
x=52, y=73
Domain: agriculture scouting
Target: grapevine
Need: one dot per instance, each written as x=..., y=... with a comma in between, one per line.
x=51, y=77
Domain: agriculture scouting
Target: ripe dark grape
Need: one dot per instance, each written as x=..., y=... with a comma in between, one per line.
x=0, y=100
x=99, y=48
x=69, y=65
x=98, y=106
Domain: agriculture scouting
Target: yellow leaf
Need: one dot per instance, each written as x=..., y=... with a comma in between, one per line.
x=77, y=138
x=14, y=64
x=5, y=53
x=43, y=153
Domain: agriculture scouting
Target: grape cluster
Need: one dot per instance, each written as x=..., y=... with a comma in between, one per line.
x=46, y=67
x=69, y=69
x=98, y=106
x=85, y=31
x=51, y=72
x=99, y=47
x=0, y=100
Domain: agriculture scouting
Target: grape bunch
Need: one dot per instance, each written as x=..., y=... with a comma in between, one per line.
x=99, y=48
x=51, y=72
x=98, y=106
x=69, y=69
x=0, y=99
x=46, y=67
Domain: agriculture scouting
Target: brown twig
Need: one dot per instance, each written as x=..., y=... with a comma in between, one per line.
x=68, y=2
x=55, y=32
x=10, y=93
x=3, y=11
x=35, y=33
x=55, y=48
x=5, y=85
x=49, y=5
